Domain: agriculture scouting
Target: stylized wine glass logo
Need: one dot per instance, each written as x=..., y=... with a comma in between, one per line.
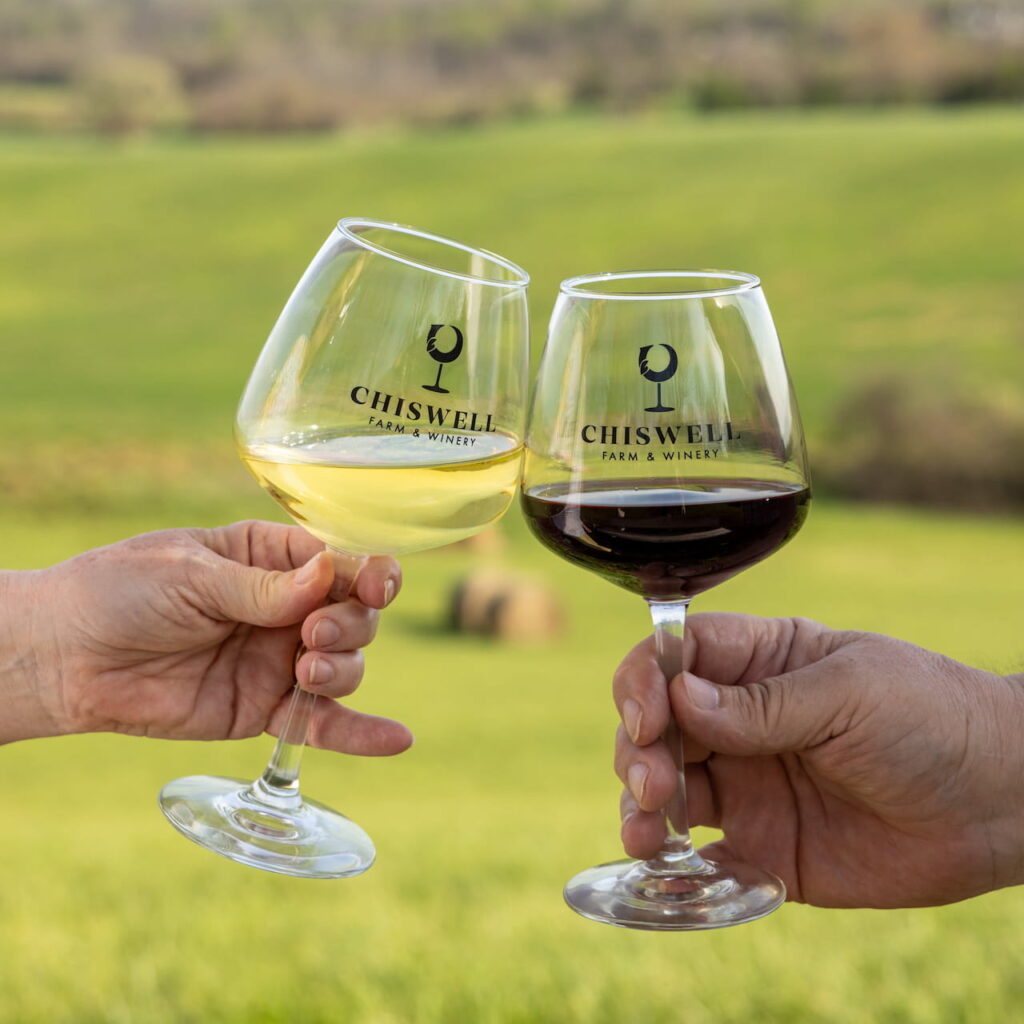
x=657, y=376
x=440, y=356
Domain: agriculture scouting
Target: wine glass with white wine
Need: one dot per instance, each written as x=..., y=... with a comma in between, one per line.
x=385, y=415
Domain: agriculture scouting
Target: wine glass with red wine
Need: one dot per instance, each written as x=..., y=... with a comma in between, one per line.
x=664, y=452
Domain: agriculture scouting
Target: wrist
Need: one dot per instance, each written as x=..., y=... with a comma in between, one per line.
x=1006, y=759
x=24, y=710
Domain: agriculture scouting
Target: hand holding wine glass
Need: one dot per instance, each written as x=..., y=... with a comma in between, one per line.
x=191, y=634
x=862, y=770
x=385, y=415
x=664, y=453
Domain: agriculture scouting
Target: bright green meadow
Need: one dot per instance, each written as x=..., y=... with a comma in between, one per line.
x=137, y=283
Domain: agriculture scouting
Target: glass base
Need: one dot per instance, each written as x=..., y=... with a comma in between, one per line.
x=275, y=830
x=629, y=894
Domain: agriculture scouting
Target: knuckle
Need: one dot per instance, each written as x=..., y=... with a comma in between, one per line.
x=350, y=668
x=761, y=707
x=620, y=680
x=356, y=625
x=266, y=588
x=370, y=620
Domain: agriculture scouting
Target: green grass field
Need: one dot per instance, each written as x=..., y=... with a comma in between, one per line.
x=111, y=917
x=136, y=286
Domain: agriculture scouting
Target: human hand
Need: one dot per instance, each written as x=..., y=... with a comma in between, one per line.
x=863, y=771
x=192, y=634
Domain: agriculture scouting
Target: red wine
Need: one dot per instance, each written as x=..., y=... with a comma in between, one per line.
x=663, y=539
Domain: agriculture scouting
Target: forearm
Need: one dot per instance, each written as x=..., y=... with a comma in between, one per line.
x=23, y=711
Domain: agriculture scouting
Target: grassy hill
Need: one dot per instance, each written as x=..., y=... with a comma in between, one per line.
x=138, y=282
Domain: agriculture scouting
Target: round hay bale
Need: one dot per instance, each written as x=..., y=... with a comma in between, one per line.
x=512, y=607
x=527, y=612
x=472, y=598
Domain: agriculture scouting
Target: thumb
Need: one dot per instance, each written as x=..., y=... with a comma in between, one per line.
x=262, y=597
x=789, y=712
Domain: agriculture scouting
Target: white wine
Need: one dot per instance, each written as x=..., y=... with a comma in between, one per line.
x=389, y=494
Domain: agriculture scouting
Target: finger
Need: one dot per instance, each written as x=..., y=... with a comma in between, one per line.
x=731, y=648
x=265, y=545
x=701, y=806
x=647, y=772
x=373, y=580
x=790, y=712
x=336, y=727
x=643, y=832
x=234, y=592
x=330, y=675
x=340, y=627
x=694, y=751
x=641, y=694
x=378, y=581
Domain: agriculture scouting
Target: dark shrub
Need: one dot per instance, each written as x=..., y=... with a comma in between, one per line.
x=926, y=442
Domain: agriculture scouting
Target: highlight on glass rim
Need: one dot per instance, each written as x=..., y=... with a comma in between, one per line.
x=635, y=393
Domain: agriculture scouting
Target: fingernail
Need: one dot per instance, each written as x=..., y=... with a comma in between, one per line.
x=632, y=716
x=325, y=633
x=389, y=591
x=308, y=572
x=637, y=780
x=320, y=671
x=702, y=694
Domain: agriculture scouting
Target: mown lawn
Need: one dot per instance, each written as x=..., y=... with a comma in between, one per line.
x=111, y=917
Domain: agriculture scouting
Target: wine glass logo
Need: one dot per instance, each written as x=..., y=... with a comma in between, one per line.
x=440, y=356
x=657, y=376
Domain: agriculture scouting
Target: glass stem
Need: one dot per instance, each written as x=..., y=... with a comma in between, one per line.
x=278, y=786
x=677, y=855
x=279, y=783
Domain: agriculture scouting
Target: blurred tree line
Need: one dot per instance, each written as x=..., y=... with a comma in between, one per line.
x=119, y=66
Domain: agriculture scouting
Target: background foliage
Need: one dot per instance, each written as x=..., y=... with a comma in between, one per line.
x=254, y=65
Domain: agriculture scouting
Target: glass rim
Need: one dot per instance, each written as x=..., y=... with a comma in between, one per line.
x=734, y=282
x=348, y=226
